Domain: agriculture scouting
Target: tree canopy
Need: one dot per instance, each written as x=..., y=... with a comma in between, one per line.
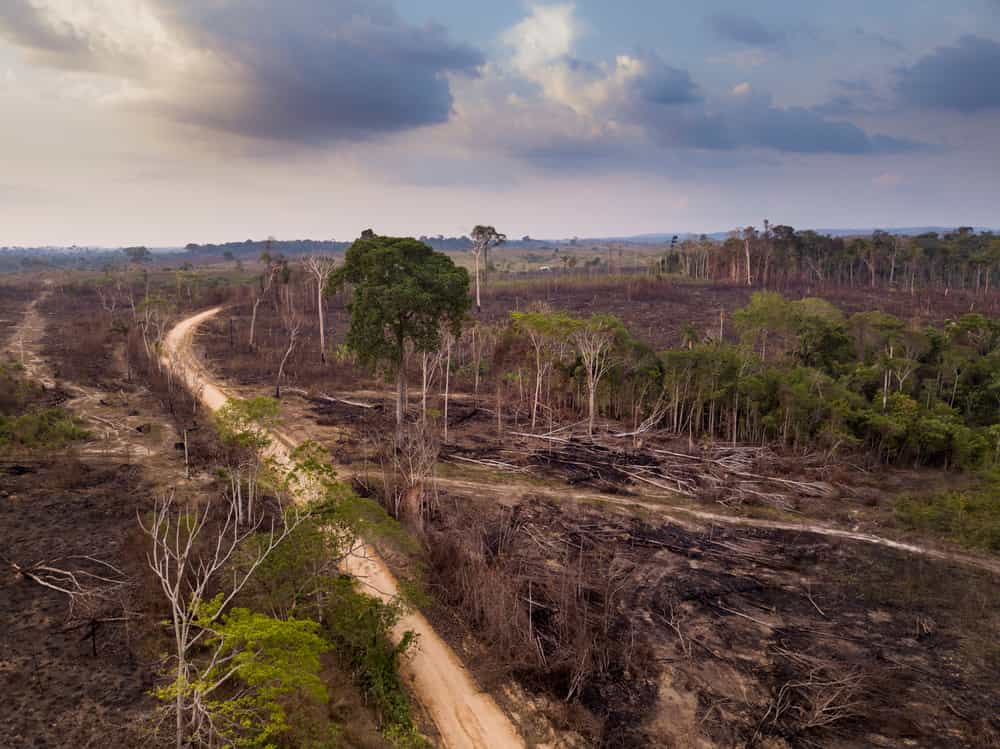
x=404, y=294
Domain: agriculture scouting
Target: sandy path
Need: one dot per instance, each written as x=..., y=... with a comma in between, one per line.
x=465, y=716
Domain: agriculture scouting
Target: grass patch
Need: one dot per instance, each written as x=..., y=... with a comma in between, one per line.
x=26, y=421
x=48, y=428
x=970, y=518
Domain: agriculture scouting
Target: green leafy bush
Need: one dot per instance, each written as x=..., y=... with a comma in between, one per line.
x=359, y=627
x=970, y=518
x=43, y=428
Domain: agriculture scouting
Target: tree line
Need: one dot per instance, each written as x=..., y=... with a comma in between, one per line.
x=779, y=255
x=796, y=372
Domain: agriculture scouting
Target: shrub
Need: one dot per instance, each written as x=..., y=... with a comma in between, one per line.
x=970, y=518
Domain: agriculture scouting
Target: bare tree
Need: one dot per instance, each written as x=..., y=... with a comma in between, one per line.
x=292, y=324
x=449, y=343
x=483, y=237
x=266, y=281
x=321, y=269
x=408, y=467
x=187, y=555
x=430, y=363
x=749, y=236
x=593, y=342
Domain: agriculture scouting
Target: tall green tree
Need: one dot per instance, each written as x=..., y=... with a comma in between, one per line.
x=404, y=293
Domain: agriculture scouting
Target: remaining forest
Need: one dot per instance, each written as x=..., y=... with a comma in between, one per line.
x=708, y=492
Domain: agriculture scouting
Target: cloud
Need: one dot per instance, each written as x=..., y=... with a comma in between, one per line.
x=301, y=70
x=543, y=37
x=750, y=120
x=635, y=111
x=743, y=29
x=964, y=77
x=661, y=84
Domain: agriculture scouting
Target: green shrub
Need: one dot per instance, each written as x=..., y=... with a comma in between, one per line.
x=359, y=627
x=970, y=518
x=45, y=428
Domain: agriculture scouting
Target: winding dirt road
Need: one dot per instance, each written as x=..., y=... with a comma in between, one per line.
x=465, y=716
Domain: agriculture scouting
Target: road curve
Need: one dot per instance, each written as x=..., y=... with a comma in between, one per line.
x=465, y=716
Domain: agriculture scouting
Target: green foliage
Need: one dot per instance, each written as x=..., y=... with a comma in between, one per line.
x=970, y=518
x=552, y=325
x=47, y=428
x=24, y=423
x=809, y=378
x=403, y=293
x=277, y=661
x=359, y=627
x=245, y=423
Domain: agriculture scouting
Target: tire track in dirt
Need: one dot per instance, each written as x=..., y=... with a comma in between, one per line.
x=465, y=716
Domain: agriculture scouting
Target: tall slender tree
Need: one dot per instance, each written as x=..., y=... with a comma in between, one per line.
x=321, y=269
x=484, y=237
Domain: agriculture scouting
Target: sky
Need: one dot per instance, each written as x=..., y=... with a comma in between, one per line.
x=163, y=122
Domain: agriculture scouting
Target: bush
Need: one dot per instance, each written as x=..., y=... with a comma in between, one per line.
x=44, y=428
x=970, y=518
x=359, y=627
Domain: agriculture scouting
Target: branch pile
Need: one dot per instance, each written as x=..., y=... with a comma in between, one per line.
x=731, y=475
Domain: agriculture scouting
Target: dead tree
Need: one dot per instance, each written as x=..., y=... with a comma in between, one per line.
x=749, y=236
x=187, y=554
x=593, y=343
x=266, y=281
x=449, y=342
x=430, y=363
x=408, y=467
x=98, y=592
x=292, y=324
x=321, y=269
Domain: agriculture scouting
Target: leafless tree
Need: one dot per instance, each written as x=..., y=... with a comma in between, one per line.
x=266, y=281
x=187, y=554
x=292, y=324
x=449, y=343
x=321, y=269
x=593, y=342
x=408, y=468
x=749, y=237
x=430, y=364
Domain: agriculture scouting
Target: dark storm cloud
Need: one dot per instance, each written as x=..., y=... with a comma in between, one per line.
x=751, y=120
x=662, y=84
x=745, y=30
x=300, y=70
x=794, y=130
x=963, y=77
x=330, y=69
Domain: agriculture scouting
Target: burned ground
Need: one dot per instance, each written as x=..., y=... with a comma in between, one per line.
x=632, y=632
x=715, y=636
x=66, y=680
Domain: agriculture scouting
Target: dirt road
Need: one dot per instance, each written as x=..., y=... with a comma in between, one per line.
x=465, y=716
